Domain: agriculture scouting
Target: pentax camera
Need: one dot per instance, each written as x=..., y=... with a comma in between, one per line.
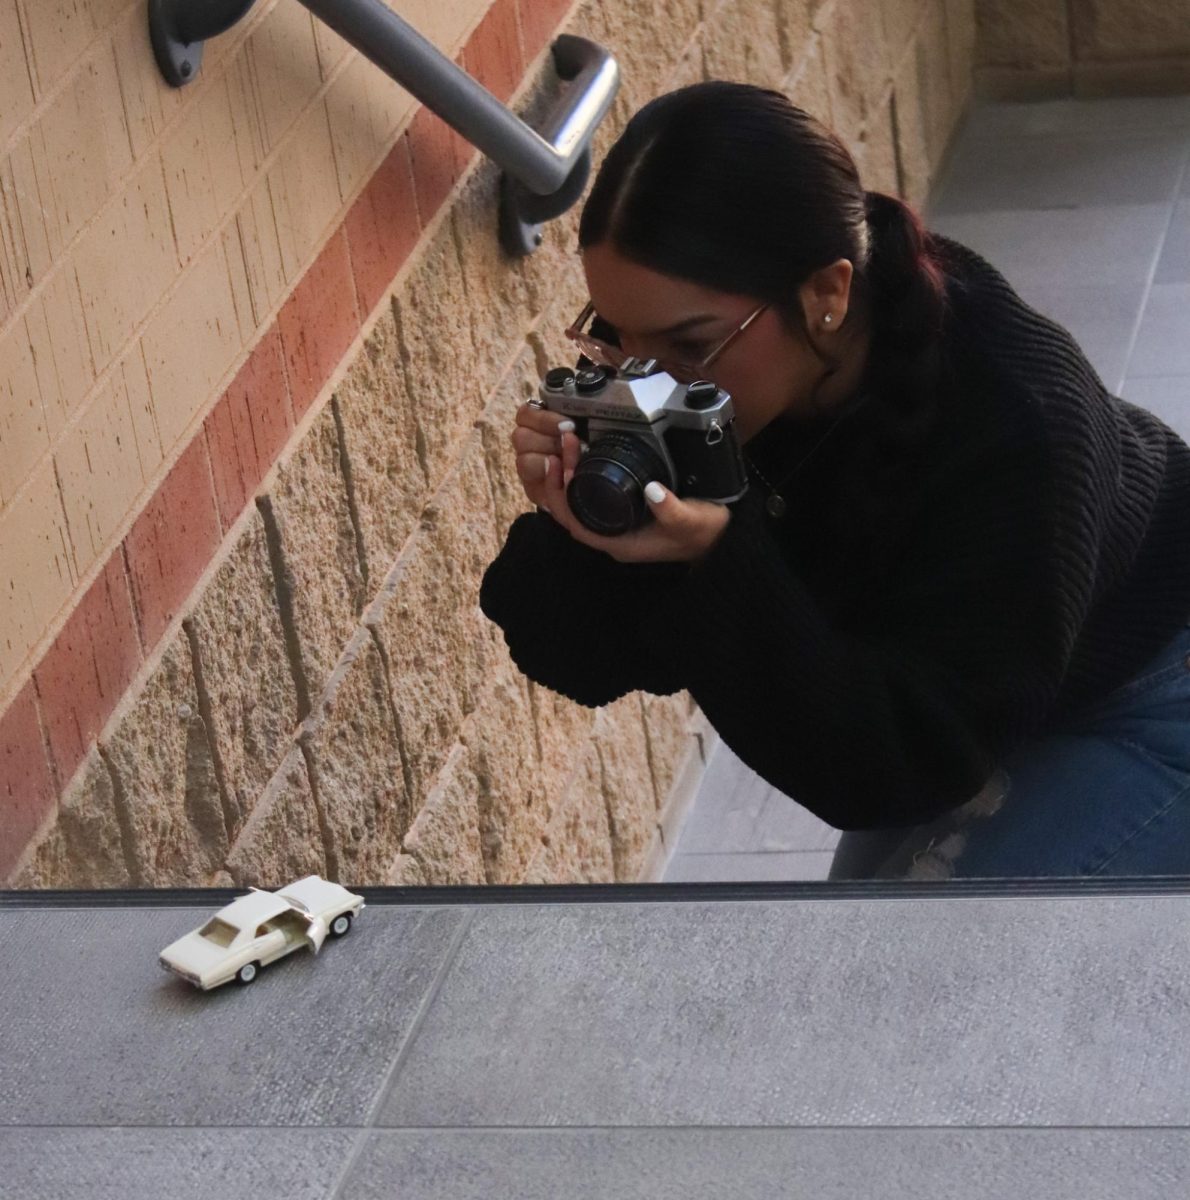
x=640, y=424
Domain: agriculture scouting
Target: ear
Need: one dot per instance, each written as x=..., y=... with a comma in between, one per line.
x=828, y=290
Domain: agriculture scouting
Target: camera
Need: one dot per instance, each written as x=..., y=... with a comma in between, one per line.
x=641, y=424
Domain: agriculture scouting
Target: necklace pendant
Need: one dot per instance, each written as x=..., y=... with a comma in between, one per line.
x=775, y=506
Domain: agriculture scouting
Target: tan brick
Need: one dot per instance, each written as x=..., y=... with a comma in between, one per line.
x=161, y=755
x=203, y=171
x=58, y=32
x=858, y=62
x=241, y=291
x=86, y=143
x=666, y=722
x=58, y=336
x=933, y=74
x=257, y=226
x=563, y=730
x=576, y=846
x=1113, y=32
x=332, y=49
x=125, y=262
x=503, y=757
x=304, y=192
x=743, y=41
x=444, y=837
x=875, y=153
x=284, y=60
x=134, y=378
x=309, y=501
x=433, y=322
x=1022, y=33
x=85, y=846
x=365, y=109
x=24, y=435
x=496, y=426
x=30, y=230
x=282, y=840
x=353, y=744
x=16, y=84
x=439, y=644
x=690, y=68
x=809, y=87
x=99, y=471
x=628, y=793
x=960, y=38
x=381, y=438
x=245, y=667
x=912, y=138
x=191, y=344
x=37, y=571
x=149, y=103
x=901, y=20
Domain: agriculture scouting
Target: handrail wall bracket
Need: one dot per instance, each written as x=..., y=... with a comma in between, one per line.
x=544, y=173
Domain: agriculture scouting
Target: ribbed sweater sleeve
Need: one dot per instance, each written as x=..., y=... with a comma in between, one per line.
x=576, y=620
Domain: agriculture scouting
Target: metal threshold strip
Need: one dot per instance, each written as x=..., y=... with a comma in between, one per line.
x=637, y=893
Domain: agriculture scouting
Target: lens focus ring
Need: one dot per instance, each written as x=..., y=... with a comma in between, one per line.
x=606, y=492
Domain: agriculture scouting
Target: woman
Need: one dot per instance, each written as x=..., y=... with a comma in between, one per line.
x=949, y=615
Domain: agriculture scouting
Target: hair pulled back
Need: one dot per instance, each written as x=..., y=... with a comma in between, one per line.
x=734, y=187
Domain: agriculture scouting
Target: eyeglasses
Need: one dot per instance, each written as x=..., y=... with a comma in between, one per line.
x=606, y=355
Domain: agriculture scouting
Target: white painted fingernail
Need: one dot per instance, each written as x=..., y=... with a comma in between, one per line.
x=654, y=491
x=565, y=426
x=545, y=474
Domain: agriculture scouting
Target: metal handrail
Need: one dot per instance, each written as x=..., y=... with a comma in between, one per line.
x=545, y=172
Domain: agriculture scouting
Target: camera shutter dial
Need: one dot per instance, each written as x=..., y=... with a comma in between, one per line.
x=556, y=378
x=589, y=380
x=701, y=394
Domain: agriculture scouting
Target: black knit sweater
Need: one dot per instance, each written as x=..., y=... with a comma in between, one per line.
x=923, y=608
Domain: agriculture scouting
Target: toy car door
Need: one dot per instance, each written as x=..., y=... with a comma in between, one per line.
x=316, y=932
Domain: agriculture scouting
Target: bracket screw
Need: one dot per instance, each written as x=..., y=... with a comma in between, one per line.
x=186, y=68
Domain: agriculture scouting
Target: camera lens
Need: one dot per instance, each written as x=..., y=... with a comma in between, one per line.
x=607, y=491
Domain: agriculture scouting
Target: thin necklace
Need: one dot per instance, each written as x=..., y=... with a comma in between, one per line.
x=775, y=505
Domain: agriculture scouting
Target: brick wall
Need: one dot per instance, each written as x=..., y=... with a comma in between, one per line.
x=259, y=356
x=1086, y=48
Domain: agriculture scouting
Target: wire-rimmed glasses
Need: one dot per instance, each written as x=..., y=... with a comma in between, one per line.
x=606, y=355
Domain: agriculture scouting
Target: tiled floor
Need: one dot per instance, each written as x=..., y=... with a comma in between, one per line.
x=1085, y=208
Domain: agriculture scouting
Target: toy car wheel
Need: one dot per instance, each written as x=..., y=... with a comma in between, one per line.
x=247, y=973
x=341, y=924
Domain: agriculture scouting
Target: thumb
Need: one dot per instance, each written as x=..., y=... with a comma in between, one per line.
x=661, y=501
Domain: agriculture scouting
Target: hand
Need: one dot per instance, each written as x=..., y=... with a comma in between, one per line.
x=681, y=530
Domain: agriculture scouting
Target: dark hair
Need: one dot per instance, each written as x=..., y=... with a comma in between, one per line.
x=734, y=187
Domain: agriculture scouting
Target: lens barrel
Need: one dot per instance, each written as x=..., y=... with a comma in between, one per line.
x=607, y=491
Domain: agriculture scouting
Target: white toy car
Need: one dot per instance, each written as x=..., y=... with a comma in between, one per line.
x=260, y=927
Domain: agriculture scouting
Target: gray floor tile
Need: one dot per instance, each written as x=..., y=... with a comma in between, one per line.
x=760, y=1164
x=1168, y=397
x=1163, y=340
x=757, y=864
x=125, y=1043
x=1059, y=171
x=1068, y=117
x=181, y=1164
x=1084, y=248
x=915, y=1012
x=1174, y=264
x=736, y=811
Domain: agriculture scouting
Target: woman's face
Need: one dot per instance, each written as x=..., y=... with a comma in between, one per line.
x=768, y=370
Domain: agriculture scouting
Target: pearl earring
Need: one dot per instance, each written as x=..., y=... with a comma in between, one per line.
x=827, y=319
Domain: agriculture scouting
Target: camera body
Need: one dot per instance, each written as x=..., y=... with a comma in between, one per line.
x=641, y=424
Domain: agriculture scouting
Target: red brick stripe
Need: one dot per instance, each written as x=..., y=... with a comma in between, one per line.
x=95, y=657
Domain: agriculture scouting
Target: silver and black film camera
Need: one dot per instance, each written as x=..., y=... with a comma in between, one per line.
x=640, y=424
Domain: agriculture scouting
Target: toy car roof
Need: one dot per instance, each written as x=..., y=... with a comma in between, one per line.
x=253, y=908
x=315, y=893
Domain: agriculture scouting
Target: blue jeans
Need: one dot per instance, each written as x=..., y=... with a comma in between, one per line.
x=1106, y=793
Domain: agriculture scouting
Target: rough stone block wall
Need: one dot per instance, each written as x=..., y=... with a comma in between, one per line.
x=1040, y=48
x=262, y=654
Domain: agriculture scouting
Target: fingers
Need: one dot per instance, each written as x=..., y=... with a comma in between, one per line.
x=571, y=450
